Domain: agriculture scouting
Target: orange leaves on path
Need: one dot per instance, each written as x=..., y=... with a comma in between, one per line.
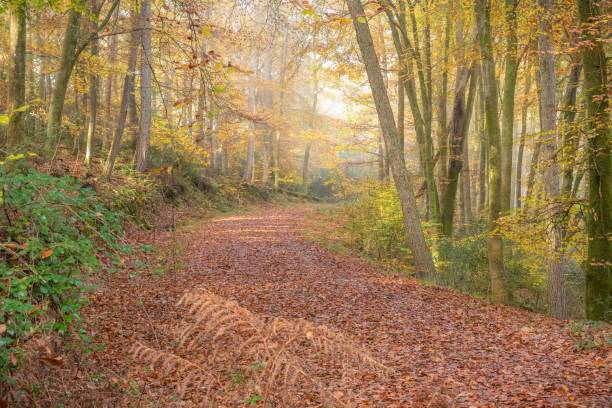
x=442, y=349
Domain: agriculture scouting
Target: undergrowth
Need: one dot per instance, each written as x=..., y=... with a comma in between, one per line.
x=372, y=225
x=53, y=232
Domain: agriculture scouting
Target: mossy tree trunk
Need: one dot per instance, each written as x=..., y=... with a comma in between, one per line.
x=16, y=72
x=495, y=246
x=599, y=223
x=67, y=61
x=507, y=130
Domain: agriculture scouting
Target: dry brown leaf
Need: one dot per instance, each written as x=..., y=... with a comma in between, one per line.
x=53, y=361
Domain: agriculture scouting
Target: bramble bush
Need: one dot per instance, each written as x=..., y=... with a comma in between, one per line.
x=52, y=232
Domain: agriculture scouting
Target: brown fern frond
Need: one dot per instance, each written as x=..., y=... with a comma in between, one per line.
x=192, y=375
x=279, y=359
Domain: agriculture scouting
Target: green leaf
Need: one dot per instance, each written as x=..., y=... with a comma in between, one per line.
x=253, y=399
x=217, y=89
x=22, y=108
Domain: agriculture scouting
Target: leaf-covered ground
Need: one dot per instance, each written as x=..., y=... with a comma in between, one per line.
x=438, y=344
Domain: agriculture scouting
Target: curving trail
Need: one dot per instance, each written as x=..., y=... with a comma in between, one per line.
x=436, y=342
x=434, y=339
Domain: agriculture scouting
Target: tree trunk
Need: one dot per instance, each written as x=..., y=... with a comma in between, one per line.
x=482, y=148
x=535, y=154
x=571, y=137
x=276, y=158
x=266, y=156
x=112, y=57
x=249, y=169
x=224, y=159
x=281, y=103
x=599, y=221
x=93, y=91
x=495, y=245
x=128, y=85
x=401, y=113
x=442, y=126
x=462, y=111
x=67, y=61
x=465, y=170
x=268, y=102
x=521, y=148
x=42, y=87
x=16, y=72
x=414, y=233
x=422, y=121
x=381, y=158
x=577, y=181
x=556, y=270
x=305, y=164
x=455, y=140
x=507, y=131
x=144, y=136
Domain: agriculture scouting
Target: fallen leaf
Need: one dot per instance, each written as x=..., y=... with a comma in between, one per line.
x=53, y=361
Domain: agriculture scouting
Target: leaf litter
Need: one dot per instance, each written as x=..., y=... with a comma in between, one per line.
x=441, y=349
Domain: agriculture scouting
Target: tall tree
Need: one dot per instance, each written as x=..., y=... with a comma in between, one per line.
x=268, y=103
x=16, y=71
x=495, y=246
x=521, y=147
x=507, y=130
x=93, y=88
x=571, y=137
x=144, y=134
x=442, y=97
x=71, y=49
x=110, y=80
x=556, y=270
x=599, y=222
x=412, y=224
x=311, y=124
x=408, y=55
x=482, y=149
x=249, y=169
x=458, y=130
x=128, y=85
x=67, y=61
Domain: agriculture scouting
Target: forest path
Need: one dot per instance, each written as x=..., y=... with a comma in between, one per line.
x=433, y=339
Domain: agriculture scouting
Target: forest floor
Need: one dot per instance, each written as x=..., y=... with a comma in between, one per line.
x=434, y=341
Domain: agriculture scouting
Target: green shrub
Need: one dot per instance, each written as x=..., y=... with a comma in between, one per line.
x=375, y=228
x=375, y=223
x=50, y=231
x=133, y=194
